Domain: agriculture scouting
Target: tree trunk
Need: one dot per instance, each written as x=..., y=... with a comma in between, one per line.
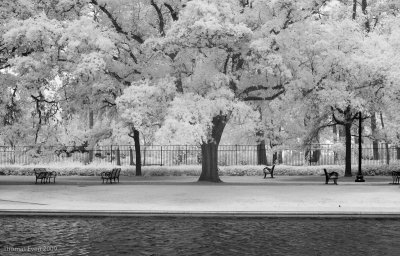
x=209, y=162
x=375, y=145
x=209, y=150
x=359, y=144
x=131, y=156
x=316, y=153
x=280, y=157
x=335, y=134
x=137, y=152
x=364, y=6
x=341, y=133
x=118, y=157
x=335, y=139
x=398, y=153
x=347, y=130
x=387, y=153
x=91, y=123
x=261, y=154
x=277, y=157
x=386, y=142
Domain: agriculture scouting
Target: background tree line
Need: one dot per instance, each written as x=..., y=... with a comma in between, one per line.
x=274, y=72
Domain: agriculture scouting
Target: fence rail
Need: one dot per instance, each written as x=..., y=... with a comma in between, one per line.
x=191, y=155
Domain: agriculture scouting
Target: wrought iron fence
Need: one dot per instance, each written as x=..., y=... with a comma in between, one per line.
x=191, y=155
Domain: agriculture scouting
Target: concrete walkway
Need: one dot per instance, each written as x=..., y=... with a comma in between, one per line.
x=246, y=195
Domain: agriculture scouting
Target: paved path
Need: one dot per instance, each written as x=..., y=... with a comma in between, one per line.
x=247, y=195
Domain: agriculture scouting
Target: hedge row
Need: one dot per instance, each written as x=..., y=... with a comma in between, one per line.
x=195, y=170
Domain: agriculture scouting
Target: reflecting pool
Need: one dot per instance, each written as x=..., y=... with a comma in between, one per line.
x=198, y=236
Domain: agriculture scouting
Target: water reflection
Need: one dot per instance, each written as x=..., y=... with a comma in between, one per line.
x=198, y=236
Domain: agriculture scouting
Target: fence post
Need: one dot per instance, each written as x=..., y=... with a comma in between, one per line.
x=186, y=153
x=161, y=155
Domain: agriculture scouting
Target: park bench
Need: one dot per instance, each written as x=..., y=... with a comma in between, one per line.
x=269, y=170
x=331, y=176
x=396, y=177
x=111, y=176
x=51, y=175
x=41, y=174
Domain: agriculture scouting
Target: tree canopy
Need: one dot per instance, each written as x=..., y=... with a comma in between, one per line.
x=180, y=71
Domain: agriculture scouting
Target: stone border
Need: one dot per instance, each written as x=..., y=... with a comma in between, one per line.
x=205, y=214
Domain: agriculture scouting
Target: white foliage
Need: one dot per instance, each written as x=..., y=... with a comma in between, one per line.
x=90, y=65
x=34, y=33
x=207, y=24
x=189, y=118
x=85, y=34
x=144, y=103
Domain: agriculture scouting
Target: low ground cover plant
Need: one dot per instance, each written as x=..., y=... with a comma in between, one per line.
x=194, y=170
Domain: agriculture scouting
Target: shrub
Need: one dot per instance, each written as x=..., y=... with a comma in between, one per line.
x=193, y=170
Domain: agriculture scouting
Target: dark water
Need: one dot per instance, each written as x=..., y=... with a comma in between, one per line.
x=197, y=236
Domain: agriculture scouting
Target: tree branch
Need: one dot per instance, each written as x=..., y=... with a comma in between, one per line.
x=337, y=121
x=174, y=14
x=117, y=27
x=260, y=98
x=109, y=104
x=41, y=99
x=160, y=18
x=261, y=88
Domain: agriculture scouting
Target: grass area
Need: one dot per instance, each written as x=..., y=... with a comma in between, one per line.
x=70, y=169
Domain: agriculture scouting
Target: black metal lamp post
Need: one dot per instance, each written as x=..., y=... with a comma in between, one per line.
x=360, y=177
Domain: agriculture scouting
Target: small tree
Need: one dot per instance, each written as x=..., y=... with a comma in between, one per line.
x=142, y=107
